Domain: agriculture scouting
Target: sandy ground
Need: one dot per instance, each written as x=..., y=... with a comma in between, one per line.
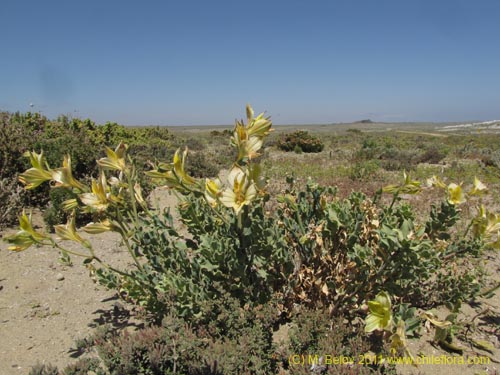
x=45, y=306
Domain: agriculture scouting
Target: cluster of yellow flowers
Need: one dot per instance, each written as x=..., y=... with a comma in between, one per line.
x=244, y=180
x=485, y=224
x=103, y=193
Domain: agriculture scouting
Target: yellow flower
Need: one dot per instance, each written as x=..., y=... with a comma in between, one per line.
x=26, y=236
x=487, y=225
x=67, y=232
x=138, y=195
x=240, y=192
x=248, y=139
x=493, y=225
x=455, y=194
x=115, y=160
x=258, y=126
x=70, y=204
x=36, y=175
x=213, y=191
x=101, y=227
x=179, y=163
x=97, y=199
x=479, y=188
x=409, y=186
x=380, y=316
x=175, y=175
x=435, y=181
x=64, y=177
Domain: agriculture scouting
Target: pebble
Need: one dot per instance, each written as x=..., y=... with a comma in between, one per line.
x=59, y=277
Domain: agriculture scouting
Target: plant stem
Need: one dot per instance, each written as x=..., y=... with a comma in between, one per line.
x=76, y=253
x=123, y=233
x=129, y=177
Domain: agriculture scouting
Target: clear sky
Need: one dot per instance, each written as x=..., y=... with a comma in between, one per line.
x=200, y=62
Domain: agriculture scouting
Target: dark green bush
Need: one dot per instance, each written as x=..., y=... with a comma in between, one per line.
x=300, y=139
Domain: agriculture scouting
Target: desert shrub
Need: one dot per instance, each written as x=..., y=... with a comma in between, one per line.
x=43, y=369
x=12, y=197
x=194, y=144
x=233, y=340
x=491, y=159
x=364, y=170
x=318, y=337
x=300, y=139
x=352, y=247
x=369, y=150
x=396, y=157
x=83, y=366
x=354, y=131
x=432, y=155
x=112, y=133
x=245, y=256
x=199, y=165
x=223, y=133
x=297, y=149
x=14, y=141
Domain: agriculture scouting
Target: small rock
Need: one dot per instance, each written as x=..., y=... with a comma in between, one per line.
x=59, y=277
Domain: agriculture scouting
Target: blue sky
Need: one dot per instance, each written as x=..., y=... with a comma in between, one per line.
x=200, y=62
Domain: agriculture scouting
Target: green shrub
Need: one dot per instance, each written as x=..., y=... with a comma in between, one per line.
x=302, y=140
